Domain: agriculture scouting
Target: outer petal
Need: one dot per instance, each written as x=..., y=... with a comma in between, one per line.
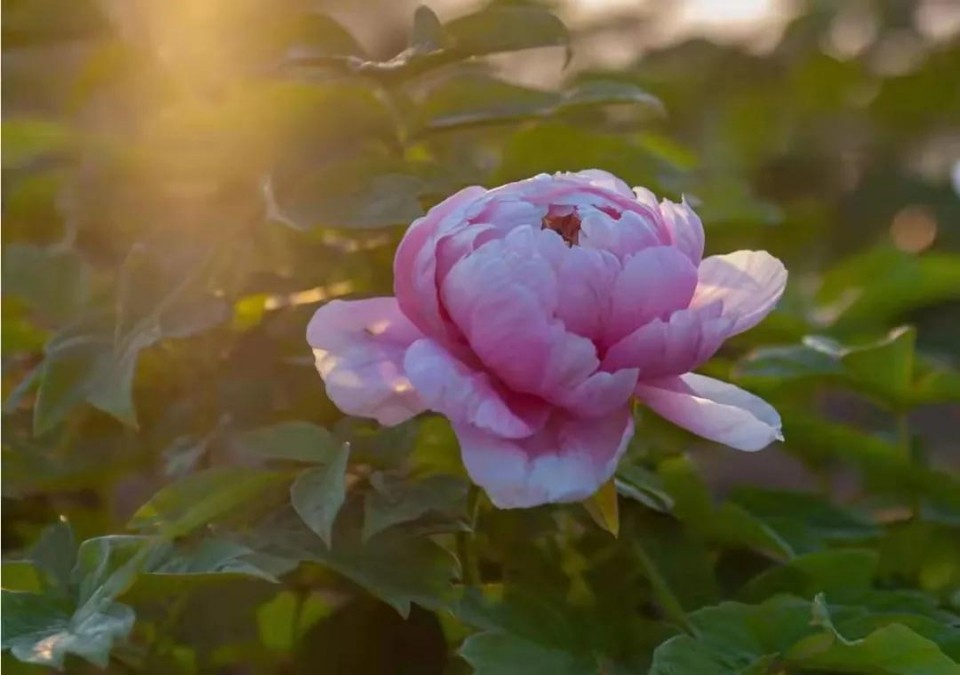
x=567, y=461
x=672, y=347
x=415, y=266
x=653, y=284
x=685, y=227
x=452, y=388
x=715, y=410
x=748, y=282
x=359, y=348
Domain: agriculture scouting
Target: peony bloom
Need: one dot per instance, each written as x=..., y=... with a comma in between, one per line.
x=533, y=314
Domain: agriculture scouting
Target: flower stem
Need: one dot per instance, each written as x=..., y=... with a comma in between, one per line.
x=466, y=541
x=661, y=589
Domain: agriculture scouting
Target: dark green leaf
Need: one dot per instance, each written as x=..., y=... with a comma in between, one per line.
x=395, y=500
x=499, y=654
x=318, y=493
x=42, y=630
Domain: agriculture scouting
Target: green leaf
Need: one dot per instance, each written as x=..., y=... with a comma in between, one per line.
x=644, y=486
x=874, y=288
x=474, y=99
x=500, y=654
x=891, y=650
x=181, y=507
x=728, y=524
x=554, y=146
x=392, y=566
x=21, y=575
x=506, y=28
x=285, y=619
x=733, y=638
x=295, y=441
x=43, y=630
x=56, y=284
x=54, y=556
x=318, y=493
x=428, y=34
x=806, y=521
x=887, y=366
x=395, y=500
x=839, y=572
x=355, y=193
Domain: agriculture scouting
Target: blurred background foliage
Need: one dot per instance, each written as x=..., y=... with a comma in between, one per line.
x=184, y=182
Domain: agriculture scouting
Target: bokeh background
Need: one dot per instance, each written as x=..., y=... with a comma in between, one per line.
x=183, y=182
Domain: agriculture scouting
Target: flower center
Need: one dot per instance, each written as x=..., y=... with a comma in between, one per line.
x=565, y=221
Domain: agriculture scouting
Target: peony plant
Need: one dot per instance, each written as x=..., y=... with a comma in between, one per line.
x=534, y=314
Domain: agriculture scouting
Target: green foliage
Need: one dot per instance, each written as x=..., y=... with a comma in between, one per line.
x=182, y=186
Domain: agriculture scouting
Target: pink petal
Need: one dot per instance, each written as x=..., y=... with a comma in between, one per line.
x=605, y=180
x=358, y=347
x=585, y=278
x=715, y=410
x=466, y=396
x=414, y=267
x=600, y=394
x=503, y=297
x=686, y=230
x=672, y=347
x=653, y=284
x=567, y=461
x=629, y=233
x=749, y=283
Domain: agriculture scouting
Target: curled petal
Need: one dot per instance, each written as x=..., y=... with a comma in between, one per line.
x=452, y=388
x=672, y=347
x=653, y=284
x=713, y=409
x=685, y=227
x=600, y=394
x=566, y=461
x=358, y=348
x=415, y=265
x=749, y=283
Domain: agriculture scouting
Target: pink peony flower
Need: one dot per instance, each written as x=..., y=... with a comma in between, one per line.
x=531, y=315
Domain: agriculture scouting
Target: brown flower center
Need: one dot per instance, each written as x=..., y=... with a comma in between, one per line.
x=564, y=222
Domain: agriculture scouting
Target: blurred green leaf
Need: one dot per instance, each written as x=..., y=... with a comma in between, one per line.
x=839, y=572
x=201, y=497
x=870, y=289
x=506, y=28
x=728, y=523
x=56, y=284
x=644, y=486
x=25, y=140
x=318, y=493
x=395, y=500
x=295, y=441
x=806, y=521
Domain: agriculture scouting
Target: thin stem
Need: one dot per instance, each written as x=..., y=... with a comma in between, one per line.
x=661, y=589
x=467, y=541
x=905, y=446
